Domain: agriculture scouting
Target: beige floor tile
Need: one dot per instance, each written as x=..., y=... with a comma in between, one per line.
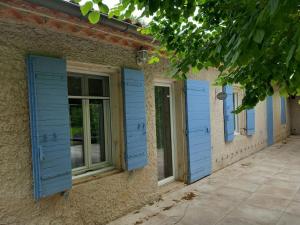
x=263, y=189
x=236, y=221
x=217, y=202
x=297, y=196
x=255, y=215
x=267, y=170
x=294, y=208
x=283, y=183
x=288, y=219
x=201, y=215
x=254, y=178
x=291, y=171
x=287, y=177
x=232, y=193
x=243, y=185
x=206, y=188
x=275, y=191
x=267, y=202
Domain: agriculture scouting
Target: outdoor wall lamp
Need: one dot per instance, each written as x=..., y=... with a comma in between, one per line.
x=220, y=94
x=141, y=57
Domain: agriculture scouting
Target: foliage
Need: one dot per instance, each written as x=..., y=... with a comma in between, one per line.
x=255, y=43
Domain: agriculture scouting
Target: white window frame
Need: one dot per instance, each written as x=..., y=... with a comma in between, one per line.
x=92, y=70
x=170, y=85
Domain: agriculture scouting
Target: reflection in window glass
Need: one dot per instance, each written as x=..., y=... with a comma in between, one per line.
x=97, y=121
x=76, y=131
x=74, y=86
x=98, y=87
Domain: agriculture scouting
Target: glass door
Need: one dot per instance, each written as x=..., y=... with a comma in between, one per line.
x=164, y=142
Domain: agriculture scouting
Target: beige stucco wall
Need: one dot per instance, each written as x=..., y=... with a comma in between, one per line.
x=102, y=198
x=93, y=202
x=224, y=154
x=294, y=107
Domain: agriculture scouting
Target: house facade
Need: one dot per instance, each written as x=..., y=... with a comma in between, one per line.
x=88, y=135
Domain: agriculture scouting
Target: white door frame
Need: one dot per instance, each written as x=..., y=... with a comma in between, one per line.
x=170, y=85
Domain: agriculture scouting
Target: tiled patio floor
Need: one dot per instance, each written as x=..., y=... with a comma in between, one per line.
x=262, y=189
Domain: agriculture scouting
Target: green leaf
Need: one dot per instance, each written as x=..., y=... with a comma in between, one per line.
x=259, y=36
x=283, y=92
x=195, y=70
x=127, y=14
x=114, y=12
x=94, y=17
x=86, y=8
x=153, y=59
x=104, y=8
x=253, y=43
x=297, y=54
x=153, y=5
x=290, y=55
x=273, y=6
x=273, y=83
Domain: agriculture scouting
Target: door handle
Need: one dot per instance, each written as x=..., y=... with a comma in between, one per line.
x=207, y=130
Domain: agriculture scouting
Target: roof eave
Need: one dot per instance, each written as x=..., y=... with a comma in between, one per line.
x=73, y=10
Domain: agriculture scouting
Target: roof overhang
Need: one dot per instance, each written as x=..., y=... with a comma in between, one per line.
x=74, y=10
x=65, y=17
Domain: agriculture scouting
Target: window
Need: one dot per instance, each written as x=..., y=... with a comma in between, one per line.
x=90, y=123
x=239, y=119
x=236, y=116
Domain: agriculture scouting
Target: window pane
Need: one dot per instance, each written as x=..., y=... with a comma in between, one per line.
x=76, y=126
x=236, y=116
x=99, y=125
x=74, y=86
x=99, y=87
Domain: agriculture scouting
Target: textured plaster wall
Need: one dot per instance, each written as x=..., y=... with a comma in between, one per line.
x=280, y=130
x=93, y=202
x=102, y=198
x=224, y=154
x=294, y=115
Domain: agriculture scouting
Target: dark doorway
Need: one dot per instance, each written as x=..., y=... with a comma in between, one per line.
x=165, y=156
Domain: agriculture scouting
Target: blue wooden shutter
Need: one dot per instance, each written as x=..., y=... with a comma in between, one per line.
x=198, y=129
x=228, y=115
x=250, y=115
x=49, y=121
x=270, y=120
x=283, y=111
x=134, y=119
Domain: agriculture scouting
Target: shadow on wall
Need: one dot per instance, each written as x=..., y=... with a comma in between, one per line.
x=295, y=112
